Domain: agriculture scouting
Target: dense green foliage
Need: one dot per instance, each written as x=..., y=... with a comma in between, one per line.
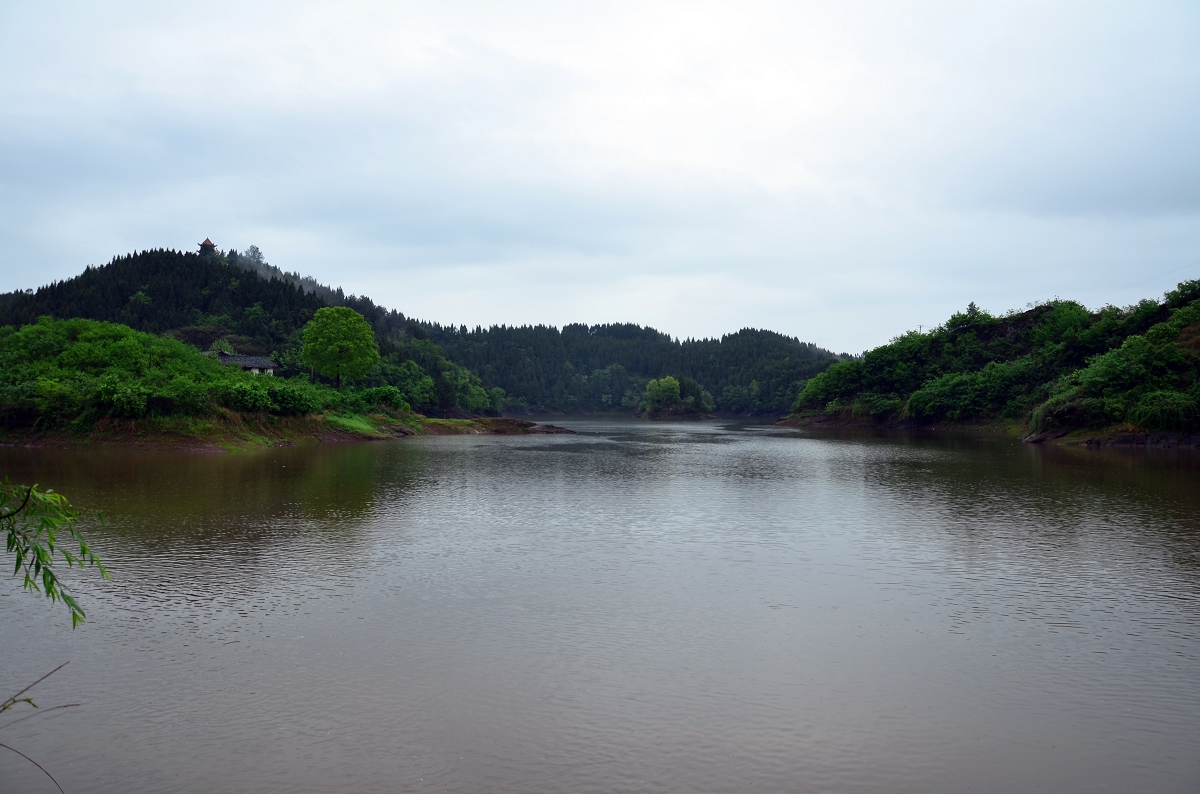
x=253, y=261
x=1055, y=366
x=72, y=373
x=667, y=396
x=197, y=298
x=223, y=301
x=607, y=367
x=338, y=343
x=238, y=302
x=40, y=527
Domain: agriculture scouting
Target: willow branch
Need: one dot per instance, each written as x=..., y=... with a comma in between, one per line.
x=35, y=763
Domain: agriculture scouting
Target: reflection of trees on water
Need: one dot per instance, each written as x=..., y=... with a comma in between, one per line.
x=216, y=544
x=968, y=475
x=236, y=504
x=1083, y=529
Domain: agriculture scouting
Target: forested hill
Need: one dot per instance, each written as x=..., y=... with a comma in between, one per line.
x=200, y=297
x=204, y=299
x=1057, y=367
x=243, y=302
x=606, y=367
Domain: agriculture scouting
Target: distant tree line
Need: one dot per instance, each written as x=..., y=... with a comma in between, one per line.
x=608, y=367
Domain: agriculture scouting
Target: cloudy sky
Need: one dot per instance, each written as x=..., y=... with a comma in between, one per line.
x=841, y=172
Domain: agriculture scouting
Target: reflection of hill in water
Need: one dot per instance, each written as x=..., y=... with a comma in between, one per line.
x=1085, y=531
x=969, y=474
x=1054, y=486
x=163, y=498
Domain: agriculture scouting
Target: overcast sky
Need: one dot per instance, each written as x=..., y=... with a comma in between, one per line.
x=838, y=171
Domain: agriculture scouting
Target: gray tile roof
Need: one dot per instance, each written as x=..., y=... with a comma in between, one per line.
x=246, y=362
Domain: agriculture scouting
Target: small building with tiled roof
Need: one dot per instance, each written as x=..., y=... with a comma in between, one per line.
x=208, y=246
x=259, y=365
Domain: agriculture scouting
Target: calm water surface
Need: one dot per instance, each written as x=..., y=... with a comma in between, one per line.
x=638, y=608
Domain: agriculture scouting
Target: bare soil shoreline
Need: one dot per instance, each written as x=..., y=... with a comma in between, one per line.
x=230, y=431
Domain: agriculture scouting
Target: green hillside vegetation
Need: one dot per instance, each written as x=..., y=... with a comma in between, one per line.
x=240, y=302
x=73, y=374
x=1055, y=367
x=608, y=367
x=196, y=298
x=204, y=300
x=253, y=261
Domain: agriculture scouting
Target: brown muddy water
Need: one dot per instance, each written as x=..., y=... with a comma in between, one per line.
x=642, y=607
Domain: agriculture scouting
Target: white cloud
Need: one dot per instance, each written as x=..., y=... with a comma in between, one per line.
x=823, y=169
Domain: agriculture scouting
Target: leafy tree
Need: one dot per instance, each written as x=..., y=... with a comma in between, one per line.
x=38, y=526
x=34, y=524
x=662, y=393
x=339, y=343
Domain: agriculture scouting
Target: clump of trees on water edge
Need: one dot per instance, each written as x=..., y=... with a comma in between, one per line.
x=671, y=396
x=1056, y=366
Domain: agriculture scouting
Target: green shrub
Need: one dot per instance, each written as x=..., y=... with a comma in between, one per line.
x=333, y=400
x=1069, y=366
x=185, y=395
x=246, y=396
x=883, y=407
x=71, y=372
x=661, y=393
x=1073, y=410
x=382, y=396
x=57, y=400
x=290, y=398
x=1166, y=410
x=129, y=401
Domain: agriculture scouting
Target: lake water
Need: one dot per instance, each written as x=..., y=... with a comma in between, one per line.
x=642, y=607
